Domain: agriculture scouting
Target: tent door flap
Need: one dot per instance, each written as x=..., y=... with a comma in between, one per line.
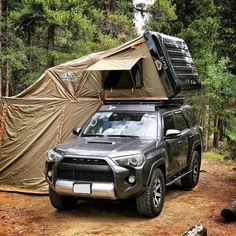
x=121, y=73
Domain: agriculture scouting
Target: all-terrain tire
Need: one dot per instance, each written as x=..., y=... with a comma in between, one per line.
x=150, y=202
x=62, y=203
x=191, y=180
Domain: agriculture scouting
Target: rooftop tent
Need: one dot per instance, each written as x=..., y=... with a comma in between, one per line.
x=178, y=73
x=65, y=96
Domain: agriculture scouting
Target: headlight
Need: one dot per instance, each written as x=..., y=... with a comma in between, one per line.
x=132, y=160
x=53, y=156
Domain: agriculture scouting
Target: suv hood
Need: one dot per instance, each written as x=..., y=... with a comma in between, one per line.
x=103, y=146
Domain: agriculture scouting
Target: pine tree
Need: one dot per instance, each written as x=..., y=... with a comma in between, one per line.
x=114, y=22
x=198, y=23
x=44, y=33
x=52, y=32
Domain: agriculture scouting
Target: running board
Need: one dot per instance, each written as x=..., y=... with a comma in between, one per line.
x=179, y=177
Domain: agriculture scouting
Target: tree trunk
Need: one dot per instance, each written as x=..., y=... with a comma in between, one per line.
x=206, y=126
x=50, y=45
x=1, y=15
x=8, y=72
x=216, y=132
x=5, y=67
x=221, y=129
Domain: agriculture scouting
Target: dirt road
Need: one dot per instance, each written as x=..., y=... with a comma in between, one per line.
x=22, y=214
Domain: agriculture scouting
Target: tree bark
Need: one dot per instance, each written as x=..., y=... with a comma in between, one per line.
x=216, y=132
x=1, y=17
x=5, y=67
x=50, y=45
x=206, y=126
x=8, y=72
x=221, y=129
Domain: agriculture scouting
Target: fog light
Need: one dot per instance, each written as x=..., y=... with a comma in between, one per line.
x=49, y=173
x=131, y=179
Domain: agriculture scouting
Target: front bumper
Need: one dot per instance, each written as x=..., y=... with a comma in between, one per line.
x=98, y=190
x=118, y=188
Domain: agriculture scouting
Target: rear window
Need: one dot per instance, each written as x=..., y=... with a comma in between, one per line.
x=190, y=115
x=180, y=121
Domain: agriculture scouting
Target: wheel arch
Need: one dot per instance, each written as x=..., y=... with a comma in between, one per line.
x=158, y=164
x=198, y=148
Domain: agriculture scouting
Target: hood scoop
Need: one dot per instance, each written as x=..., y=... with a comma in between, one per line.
x=100, y=141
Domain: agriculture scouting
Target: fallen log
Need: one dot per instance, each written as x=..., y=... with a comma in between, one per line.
x=229, y=212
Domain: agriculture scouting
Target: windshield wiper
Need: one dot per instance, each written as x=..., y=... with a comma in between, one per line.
x=123, y=136
x=94, y=135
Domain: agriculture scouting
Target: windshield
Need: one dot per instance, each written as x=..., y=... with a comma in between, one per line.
x=143, y=125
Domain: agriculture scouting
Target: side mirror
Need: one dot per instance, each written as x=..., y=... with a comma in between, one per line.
x=76, y=131
x=172, y=133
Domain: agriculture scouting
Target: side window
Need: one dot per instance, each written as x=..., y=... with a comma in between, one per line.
x=191, y=116
x=180, y=121
x=168, y=123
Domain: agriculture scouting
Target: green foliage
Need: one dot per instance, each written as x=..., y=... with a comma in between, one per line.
x=232, y=150
x=219, y=85
x=231, y=131
x=231, y=139
x=55, y=31
x=214, y=155
x=209, y=32
x=114, y=22
x=226, y=11
x=163, y=14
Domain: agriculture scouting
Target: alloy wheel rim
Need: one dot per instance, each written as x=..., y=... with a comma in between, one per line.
x=157, y=192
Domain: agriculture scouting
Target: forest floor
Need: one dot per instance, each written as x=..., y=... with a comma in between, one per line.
x=22, y=214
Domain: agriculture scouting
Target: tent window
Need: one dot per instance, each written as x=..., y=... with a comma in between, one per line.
x=123, y=79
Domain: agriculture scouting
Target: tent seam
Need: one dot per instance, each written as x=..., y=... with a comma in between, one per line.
x=61, y=123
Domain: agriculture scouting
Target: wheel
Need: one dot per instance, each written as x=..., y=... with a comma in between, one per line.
x=191, y=180
x=62, y=203
x=150, y=202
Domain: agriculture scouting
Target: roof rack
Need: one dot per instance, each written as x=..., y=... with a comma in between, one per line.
x=178, y=101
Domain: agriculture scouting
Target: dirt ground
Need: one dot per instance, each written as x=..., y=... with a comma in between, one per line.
x=22, y=214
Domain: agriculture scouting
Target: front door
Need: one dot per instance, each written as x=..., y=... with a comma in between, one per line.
x=177, y=148
x=181, y=124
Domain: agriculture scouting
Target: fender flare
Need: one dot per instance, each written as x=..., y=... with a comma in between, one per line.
x=157, y=163
x=195, y=144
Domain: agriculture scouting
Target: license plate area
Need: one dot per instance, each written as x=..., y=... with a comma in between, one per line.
x=82, y=188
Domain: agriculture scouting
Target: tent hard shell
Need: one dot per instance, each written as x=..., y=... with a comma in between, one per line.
x=153, y=66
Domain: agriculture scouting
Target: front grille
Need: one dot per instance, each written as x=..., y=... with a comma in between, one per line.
x=90, y=176
x=87, y=161
x=85, y=169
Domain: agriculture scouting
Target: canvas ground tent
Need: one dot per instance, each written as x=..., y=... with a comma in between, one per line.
x=65, y=96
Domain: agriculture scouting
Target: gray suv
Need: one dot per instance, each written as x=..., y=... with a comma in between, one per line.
x=127, y=150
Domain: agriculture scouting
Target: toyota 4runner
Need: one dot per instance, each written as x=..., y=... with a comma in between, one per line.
x=127, y=149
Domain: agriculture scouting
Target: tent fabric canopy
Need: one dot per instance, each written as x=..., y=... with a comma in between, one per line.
x=64, y=97
x=123, y=63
